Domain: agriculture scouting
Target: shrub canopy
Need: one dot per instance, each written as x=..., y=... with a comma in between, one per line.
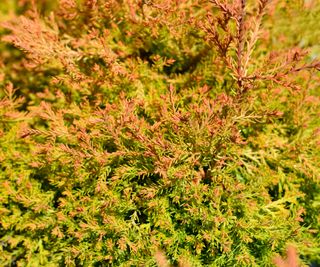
x=130, y=127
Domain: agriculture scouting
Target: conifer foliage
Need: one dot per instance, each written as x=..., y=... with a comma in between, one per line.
x=159, y=133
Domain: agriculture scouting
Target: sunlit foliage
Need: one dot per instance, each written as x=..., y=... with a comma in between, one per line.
x=137, y=133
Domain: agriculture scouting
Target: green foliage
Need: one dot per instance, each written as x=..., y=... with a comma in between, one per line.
x=133, y=127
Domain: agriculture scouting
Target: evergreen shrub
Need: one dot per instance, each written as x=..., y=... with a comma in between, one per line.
x=137, y=131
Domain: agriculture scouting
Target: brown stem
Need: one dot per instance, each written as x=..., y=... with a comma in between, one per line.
x=240, y=44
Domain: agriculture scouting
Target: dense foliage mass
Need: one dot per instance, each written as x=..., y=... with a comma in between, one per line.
x=133, y=131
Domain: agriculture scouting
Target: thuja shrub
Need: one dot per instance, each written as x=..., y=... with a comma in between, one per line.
x=133, y=131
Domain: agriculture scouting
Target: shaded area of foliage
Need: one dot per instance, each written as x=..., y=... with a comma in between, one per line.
x=133, y=127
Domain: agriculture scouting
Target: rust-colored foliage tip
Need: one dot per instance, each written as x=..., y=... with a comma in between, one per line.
x=290, y=261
